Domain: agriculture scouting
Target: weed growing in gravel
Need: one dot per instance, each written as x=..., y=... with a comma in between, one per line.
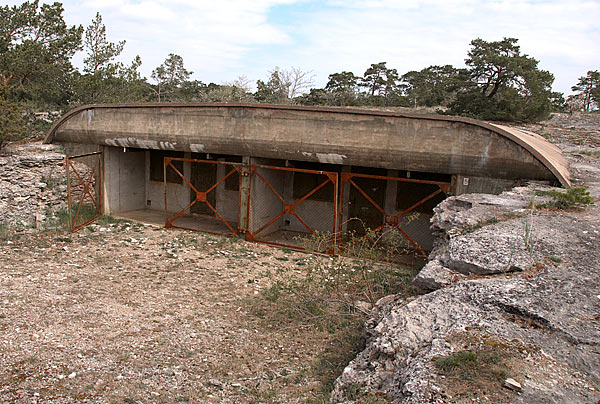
x=527, y=234
x=5, y=232
x=470, y=365
x=555, y=259
x=480, y=223
x=575, y=197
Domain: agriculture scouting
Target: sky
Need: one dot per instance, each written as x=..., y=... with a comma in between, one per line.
x=221, y=40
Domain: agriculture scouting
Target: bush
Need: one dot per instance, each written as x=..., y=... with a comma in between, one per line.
x=12, y=126
x=571, y=198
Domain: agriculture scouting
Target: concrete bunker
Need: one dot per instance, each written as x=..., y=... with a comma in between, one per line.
x=279, y=173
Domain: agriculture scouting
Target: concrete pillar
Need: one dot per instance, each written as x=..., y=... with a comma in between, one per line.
x=244, y=194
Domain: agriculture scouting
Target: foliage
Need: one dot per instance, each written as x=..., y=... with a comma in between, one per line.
x=334, y=294
x=342, y=89
x=104, y=80
x=382, y=85
x=283, y=86
x=571, y=198
x=12, y=126
x=327, y=291
x=587, y=88
x=36, y=47
x=170, y=76
x=503, y=84
x=484, y=363
x=434, y=85
x=460, y=359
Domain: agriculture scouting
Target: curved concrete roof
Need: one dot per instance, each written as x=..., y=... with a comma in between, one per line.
x=417, y=142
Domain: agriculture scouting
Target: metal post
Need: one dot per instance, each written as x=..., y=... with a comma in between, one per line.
x=67, y=165
x=244, y=195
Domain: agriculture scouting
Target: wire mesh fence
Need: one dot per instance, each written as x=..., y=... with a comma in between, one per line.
x=210, y=199
x=288, y=206
x=392, y=212
x=84, y=190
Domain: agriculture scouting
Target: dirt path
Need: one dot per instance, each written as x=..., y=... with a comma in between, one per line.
x=126, y=313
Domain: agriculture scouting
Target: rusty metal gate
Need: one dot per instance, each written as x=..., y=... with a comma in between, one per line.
x=300, y=208
x=389, y=208
x=211, y=202
x=293, y=207
x=84, y=189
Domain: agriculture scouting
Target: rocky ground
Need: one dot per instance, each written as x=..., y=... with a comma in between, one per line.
x=512, y=292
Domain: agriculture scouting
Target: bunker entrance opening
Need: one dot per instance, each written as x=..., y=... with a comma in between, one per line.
x=303, y=205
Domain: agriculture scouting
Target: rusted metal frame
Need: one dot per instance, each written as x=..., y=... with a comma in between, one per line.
x=334, y=230
x=312, y=192
x=221, y=180
x=255, y=172
x=295, y=204
x=331, y=177
x=367, y=197
x=85, y=155
x=292, y=169
x=168, y=224
x=399, y=215
x=244, y=187
x=221, y=218
x=410, y=239
x=270, y=187
x=170, y=221
x=167, y=162
x=67, y=165
x=86, y=189
x=252, y=235
x=397, y=224
x=347, y=177
x=304, y=223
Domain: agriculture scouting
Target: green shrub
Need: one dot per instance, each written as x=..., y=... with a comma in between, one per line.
x=460, y=359
x=571, y=198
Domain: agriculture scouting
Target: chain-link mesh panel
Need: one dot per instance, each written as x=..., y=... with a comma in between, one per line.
x=208, y=199
x=83, y=189
x=392, y=214
x=293, y=207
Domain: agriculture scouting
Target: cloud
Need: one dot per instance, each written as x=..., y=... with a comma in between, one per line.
x=220, y=40
x=413, y=35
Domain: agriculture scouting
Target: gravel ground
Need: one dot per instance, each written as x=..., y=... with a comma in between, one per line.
x=128, y=313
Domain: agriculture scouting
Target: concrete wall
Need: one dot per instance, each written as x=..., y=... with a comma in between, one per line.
x=481, y=185
x=124, y=184
x=227, y=201
x=423, y=143
x=178, y=195
x=264, y=205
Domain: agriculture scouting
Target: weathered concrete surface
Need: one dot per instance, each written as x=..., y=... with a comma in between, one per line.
x=429, y=143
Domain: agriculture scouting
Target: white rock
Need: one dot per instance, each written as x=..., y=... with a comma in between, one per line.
x=512, y=384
